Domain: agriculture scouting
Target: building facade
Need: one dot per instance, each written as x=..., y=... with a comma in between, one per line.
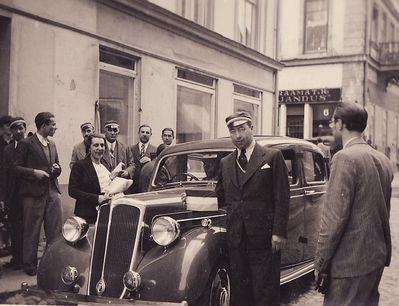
x=163, y=63
x=339, y=50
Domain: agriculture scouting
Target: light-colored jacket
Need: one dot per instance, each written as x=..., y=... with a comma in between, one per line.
x=78, y=153
x=355, y=236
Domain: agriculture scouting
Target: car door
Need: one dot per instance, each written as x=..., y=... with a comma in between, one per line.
x=315, y=179
x=293, y=251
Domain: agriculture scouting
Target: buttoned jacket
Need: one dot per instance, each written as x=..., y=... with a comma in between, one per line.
x=259, y=206
x=123, y=155
x=355, y=236
x=29, y=156
x=84, y=187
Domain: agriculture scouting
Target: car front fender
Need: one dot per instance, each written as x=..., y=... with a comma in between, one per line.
x=59, y=255
x=182, y=270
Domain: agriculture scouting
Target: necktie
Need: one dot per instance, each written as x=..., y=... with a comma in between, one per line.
x=242, y=159
x=142, y=150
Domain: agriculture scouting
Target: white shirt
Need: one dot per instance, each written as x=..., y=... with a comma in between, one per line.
x=111, y=145
x=102, y=175
x=43, y=140
x=248, y=151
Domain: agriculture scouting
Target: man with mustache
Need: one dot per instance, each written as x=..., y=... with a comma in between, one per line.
x=81, y=149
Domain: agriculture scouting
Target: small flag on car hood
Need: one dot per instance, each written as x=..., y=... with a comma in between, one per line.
x=201, y=200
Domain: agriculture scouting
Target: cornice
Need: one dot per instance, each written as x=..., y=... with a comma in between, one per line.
x=169, y=21
x=339, y=59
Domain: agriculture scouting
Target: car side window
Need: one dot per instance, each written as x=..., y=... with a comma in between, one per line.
x=313, y=166
x=291, y=163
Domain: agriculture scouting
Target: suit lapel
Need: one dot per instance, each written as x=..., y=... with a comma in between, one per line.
x=231, y=168
x=39, y=147
x=254, y=162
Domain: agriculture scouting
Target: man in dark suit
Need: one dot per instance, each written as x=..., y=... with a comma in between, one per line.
x=143, y=152
x=354, y=242
x=81, y=149
x=253, y=184
x=37, y=168
x=9, y=196
x=116, y=152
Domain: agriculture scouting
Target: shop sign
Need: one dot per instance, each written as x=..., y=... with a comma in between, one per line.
x=316, y=95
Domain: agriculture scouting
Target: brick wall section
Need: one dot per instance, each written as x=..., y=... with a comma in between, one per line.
x=354, y=26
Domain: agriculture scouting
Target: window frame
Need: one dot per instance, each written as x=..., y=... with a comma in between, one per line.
x=132, y=97
x=251, y=100
x=201, y=88
x=323, y=168
x=254, y=42
x=327, y=26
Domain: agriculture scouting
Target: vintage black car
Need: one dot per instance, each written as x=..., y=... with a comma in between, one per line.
x=167, y=246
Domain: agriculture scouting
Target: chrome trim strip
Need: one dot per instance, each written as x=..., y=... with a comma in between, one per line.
x=297, y=196
x=200, y=218
x=290, y=277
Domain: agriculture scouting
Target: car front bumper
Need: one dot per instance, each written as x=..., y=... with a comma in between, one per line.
x=65, y=298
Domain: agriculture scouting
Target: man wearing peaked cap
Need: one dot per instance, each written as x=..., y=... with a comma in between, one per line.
x=253, y=184
x=9, y=195
x=116, y=152
x=80, y=150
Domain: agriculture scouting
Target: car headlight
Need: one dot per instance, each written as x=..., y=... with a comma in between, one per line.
x=74, y=229
x=165, y=230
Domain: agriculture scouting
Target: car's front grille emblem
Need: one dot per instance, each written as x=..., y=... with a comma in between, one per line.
x=100, y=287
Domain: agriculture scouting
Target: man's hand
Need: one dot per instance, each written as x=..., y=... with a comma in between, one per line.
x=278, y=243
x=2, y=206
x=316, y=274
x=40, y=174
x=124, y=174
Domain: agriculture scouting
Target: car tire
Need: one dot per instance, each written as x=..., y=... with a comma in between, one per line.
x=218, y=289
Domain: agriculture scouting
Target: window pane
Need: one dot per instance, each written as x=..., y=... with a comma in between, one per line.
x=114, y=101
x=194, y=111
x=313, y=164
x=250, y=108
x=316, y=20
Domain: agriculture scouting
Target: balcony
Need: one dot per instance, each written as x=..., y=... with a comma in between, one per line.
x=389, y=55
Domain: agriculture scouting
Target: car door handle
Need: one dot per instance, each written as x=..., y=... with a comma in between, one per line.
x=310, y=192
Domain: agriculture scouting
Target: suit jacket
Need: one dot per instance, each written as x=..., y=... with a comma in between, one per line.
x=136, y=152
x=8, y=183
x=78, y=153
x=151, y=150
x=29, y=156
x=355, y=236
x=84, y=188
x=123, y=155
x=259, y=206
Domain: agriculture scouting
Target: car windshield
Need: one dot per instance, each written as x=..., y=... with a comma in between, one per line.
x=188, y=168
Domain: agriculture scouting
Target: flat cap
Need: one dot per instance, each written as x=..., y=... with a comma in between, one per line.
x=15, y=121
x=85, y=125
x=238, y=118
x=111, y=124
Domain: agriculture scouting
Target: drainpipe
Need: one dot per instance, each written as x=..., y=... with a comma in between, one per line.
x=276, y=74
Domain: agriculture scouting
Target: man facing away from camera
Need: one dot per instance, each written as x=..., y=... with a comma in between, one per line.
x=37, y=168
x=253, y=184
x=354, y=242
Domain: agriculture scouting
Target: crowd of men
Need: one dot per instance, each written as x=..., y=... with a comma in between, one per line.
x=354, y=244
x=29, y=189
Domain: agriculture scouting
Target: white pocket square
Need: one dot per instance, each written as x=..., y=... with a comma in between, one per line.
x=265, y=166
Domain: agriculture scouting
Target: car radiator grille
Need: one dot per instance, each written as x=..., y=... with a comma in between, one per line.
x=112, y=256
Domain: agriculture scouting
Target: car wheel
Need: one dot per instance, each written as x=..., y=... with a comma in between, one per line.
x=220, y=290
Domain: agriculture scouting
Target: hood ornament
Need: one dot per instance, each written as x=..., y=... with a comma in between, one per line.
x=100, y=287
